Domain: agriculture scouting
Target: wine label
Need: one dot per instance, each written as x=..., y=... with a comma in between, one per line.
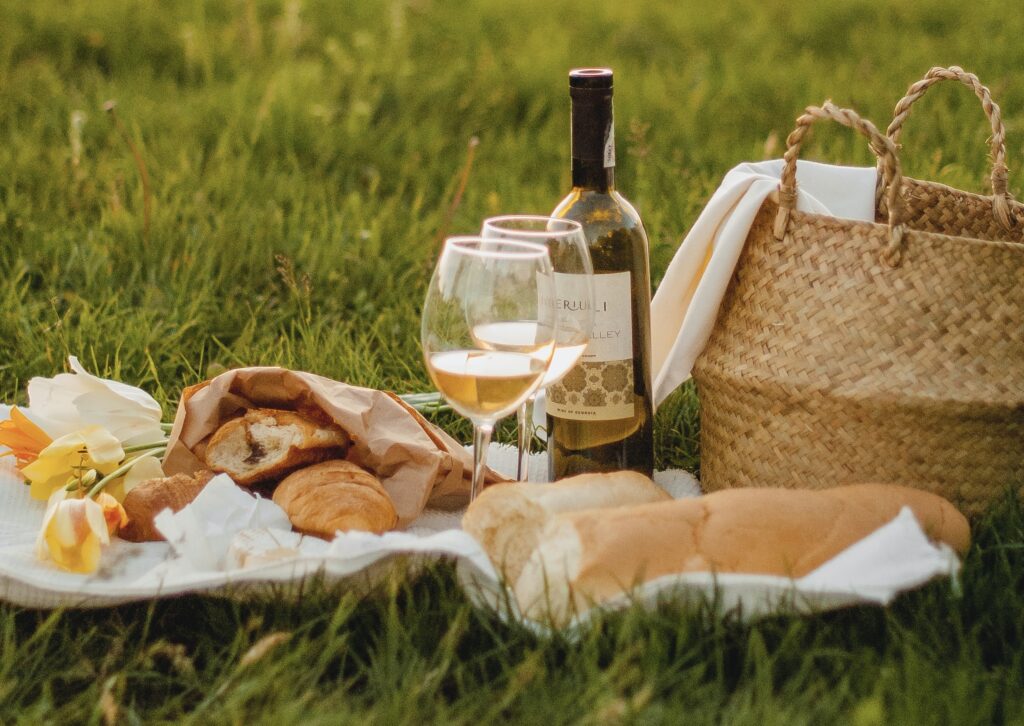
x=600, y=387
x=609, y=146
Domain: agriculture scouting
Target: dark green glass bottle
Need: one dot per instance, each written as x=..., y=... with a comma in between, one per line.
x=600, y=416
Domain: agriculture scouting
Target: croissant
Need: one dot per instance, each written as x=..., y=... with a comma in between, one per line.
x=265, y=444
x=335, y=495
x=152, y=496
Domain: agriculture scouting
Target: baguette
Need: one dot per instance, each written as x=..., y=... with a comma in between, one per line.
x=592, y=556
x=506, y=519
x=266, y=444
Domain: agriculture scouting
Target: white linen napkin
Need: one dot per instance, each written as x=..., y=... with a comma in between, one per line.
x=685, y=307
x=202, y=531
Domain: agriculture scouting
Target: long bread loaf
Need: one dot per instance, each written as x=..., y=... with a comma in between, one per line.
x=591, y=556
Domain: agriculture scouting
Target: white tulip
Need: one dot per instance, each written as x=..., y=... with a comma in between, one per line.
x=69, y=402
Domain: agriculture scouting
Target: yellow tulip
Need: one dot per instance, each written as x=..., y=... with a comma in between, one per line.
x=75, y=529
x=72, y=533
x=92, y=447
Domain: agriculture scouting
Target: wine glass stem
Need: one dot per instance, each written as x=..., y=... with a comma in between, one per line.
x=525, y=436
x=481, y=440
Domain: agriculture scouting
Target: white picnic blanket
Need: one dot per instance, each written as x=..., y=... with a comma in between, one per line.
x=141, y=571
x=897, y=557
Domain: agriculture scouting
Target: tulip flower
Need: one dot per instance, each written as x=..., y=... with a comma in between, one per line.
x=24, y=438
x=68, y=402
x=70, y=456
x=75, y=529
x=72, y=533
x=113, y=513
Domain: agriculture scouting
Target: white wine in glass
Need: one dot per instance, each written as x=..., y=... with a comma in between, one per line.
x=570, y=260
x=482, y=285
x=481, y=383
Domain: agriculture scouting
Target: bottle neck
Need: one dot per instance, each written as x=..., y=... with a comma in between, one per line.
x=592, y=177
x=593, y=139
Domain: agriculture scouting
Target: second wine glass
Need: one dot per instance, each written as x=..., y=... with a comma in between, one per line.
x=574, y=294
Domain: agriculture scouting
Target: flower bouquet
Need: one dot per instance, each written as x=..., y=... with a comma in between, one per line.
x=81, y=445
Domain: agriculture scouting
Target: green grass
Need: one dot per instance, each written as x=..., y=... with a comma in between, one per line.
x=302, y=159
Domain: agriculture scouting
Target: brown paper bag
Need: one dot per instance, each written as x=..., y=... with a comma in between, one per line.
x=418, y=464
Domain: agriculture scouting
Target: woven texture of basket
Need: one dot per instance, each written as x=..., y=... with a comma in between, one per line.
x=851, y=351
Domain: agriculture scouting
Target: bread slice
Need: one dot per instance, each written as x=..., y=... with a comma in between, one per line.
x=266, y=444
x=506, y=519
x=592, y=556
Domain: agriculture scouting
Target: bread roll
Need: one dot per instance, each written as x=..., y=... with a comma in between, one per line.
x=506, y=519
x=335, y=495
x=592, y=556
x=152, y=496
x=266, y=444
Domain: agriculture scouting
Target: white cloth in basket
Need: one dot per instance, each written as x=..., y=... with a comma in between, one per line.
x=686, y=304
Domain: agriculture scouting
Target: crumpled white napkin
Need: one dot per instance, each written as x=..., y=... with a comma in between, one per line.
x=686, y=304
x=202, y=531
x=895, y=557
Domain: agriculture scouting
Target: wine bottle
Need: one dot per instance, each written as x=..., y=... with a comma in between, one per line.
x=600, y=416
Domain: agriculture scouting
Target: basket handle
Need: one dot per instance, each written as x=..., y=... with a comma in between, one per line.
x=882, y=145
x=1001, y=197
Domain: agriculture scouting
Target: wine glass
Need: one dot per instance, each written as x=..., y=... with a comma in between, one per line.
x=479, y=283
x=574, y=291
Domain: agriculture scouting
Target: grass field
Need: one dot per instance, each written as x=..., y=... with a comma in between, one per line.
x=301, y=160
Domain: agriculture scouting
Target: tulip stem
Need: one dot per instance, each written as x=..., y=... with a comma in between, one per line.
x=167, y=426
x=122, y=470
x=144, y=447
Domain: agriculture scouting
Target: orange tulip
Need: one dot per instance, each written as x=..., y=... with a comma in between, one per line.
x=113, y=512
x=24, y=439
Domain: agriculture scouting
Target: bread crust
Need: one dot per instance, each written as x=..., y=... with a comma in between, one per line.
x=265, y=444
x=507, y=519
x=152, y=496
x=334, y=496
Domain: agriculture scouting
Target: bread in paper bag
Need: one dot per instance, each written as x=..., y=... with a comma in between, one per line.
x=416, y=462
x=266, y=444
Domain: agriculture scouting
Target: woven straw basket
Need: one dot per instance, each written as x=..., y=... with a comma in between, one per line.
x=892, y=351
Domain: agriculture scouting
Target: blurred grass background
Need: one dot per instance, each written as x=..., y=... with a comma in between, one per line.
x=302, y=157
